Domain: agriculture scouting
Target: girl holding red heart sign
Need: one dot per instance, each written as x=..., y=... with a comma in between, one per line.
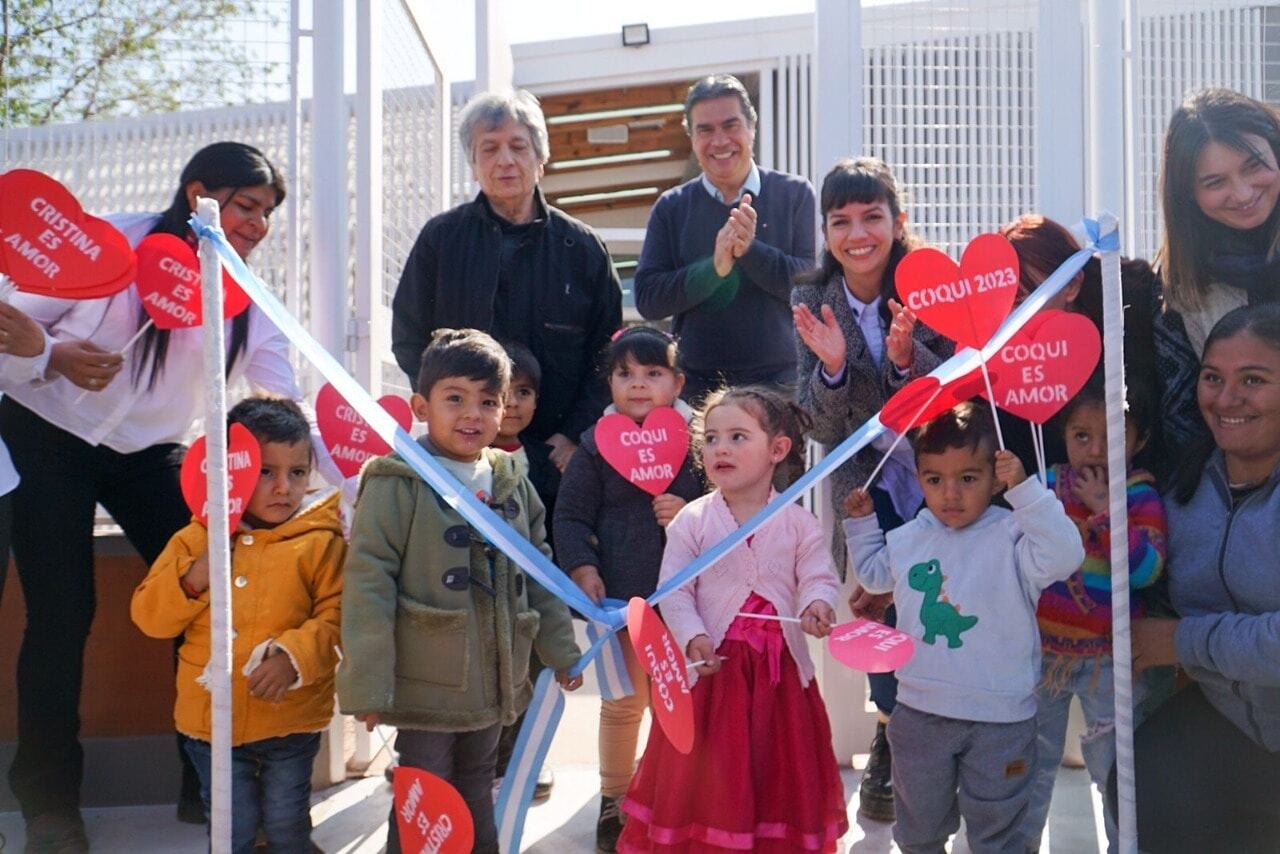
x=610, y=518
x=761, y=775
x=120, y=447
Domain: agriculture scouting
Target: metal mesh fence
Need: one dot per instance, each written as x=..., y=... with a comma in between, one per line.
x=410, y=150
x=1183, y=45
x=949, y=103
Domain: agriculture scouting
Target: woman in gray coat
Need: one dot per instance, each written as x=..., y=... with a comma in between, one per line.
x=857, y=346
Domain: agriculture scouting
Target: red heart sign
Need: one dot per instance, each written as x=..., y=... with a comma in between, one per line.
x=1045, y=364
x=662, y=659
x=49, y=245
x=169, y=283
x=649, y=456
x=244, y=465
x=965, y=303
x=347, y=436
x=430, y=814
x=904, y=410
x=870, y=646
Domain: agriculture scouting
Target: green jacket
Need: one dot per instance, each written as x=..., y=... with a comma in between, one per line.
x=426, y=644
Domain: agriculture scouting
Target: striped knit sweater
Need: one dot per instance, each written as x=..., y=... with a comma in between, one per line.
x=1075, y=615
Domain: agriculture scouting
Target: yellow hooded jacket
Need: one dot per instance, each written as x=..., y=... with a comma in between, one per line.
x=286, y=588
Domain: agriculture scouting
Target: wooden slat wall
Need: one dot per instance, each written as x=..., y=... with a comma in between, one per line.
x=650, y=132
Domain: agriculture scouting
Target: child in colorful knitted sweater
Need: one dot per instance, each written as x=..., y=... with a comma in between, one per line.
x=1075, y=615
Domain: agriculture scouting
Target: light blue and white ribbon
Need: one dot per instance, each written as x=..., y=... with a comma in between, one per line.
x=539, y=727
x=610, y=665
x=957, y=366
x=540, y=722
x=475, y=512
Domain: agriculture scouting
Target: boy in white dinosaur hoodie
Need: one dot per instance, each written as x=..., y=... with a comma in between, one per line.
x=966, y=577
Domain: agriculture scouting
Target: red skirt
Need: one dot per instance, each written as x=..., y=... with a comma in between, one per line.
x=761, y=777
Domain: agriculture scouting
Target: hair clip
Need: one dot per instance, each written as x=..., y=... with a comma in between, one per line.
x=625, y=329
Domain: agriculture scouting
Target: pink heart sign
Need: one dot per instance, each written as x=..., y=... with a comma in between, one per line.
x=968, y=302
x=347, y=436
x=244, y=465
x=430, y=814
x=662, y=659
x=1045, y=364
x=49, y=245
x=648, y=455
x=904, y=410
x=169, y=283
x=870, y=646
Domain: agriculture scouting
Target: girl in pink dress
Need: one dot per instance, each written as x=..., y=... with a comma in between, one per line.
x=762, y=775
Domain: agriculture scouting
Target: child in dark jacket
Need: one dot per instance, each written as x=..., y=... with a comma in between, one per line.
x=609, y=534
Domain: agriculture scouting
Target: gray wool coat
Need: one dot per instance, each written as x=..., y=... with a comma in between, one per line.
x=838, y=411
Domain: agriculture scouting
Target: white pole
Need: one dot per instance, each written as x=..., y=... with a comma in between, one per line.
x=330, y=225
x=837, y=133
x=215, y=416
x=1107, y=193
x=837, y=114
x=1060, y=110
x=1106, y=107
x=1113, y=353
x=368, y=220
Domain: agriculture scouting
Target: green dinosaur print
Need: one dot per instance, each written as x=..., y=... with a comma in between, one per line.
x=938, y=615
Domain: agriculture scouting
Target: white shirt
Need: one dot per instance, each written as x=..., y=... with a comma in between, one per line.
x=751, y=185
x=868, y=315
x=125, y=416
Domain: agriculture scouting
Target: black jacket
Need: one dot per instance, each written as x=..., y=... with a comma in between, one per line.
x=450, y=280
x=605, y=521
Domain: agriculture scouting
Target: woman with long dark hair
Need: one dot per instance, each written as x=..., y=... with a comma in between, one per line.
x=120, y=446
x=1219, y=183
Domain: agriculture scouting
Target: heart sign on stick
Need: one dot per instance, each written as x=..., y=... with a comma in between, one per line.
x=347, y=436
x=49, y=245
x=907, y=408
x=430, y=814
x=648, y=455
x=968, y=302
x=244, y=465
x=662, y=659
x=169, y=283
x=870, y=646
x=1045, y=364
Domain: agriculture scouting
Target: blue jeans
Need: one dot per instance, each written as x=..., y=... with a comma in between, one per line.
x=270, y=788
x=1090, y=679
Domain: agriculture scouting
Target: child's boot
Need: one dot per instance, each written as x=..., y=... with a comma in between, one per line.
x=875, y=795
x=609, y=825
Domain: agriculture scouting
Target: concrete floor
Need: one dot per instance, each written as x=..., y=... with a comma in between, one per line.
x=349, y=818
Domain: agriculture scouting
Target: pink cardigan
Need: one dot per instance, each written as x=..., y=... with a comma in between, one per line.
x=788, y=563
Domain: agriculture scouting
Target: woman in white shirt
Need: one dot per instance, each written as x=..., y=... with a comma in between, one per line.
x=120, y=446
x=20, y=338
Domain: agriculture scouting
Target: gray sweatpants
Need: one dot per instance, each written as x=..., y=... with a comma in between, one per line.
x=944, y=768
x=466, y=760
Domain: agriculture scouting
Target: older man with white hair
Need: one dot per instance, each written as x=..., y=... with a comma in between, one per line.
x=510, y=264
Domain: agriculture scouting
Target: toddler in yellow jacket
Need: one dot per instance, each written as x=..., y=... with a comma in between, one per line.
x=286, y=598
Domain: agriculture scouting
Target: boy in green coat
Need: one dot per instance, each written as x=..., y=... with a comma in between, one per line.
x=437, y=626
